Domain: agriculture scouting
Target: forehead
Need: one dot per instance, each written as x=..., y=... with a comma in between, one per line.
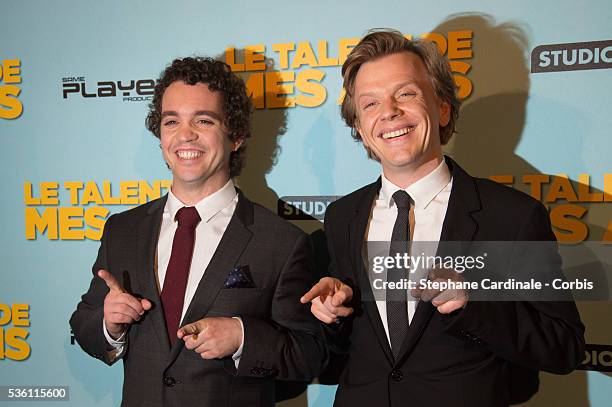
x=389, y=70
x=179, y=94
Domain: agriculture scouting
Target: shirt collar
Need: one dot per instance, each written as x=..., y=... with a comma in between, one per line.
x=208, y=207
x=422, y=192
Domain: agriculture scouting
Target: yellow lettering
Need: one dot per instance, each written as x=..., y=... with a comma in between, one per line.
x=536, y=181
x=464, y=85
x=275, y=90
x=230, y=59
x=304, y=55
x=255, y=89
x=49, y=193
x=21, y=315
x=345, y=46
x=283, y=53
x=28, y=197
x=129, y=192
x=95, y=217
x=584, y=190
x=17, y=347
x=607, y=187
x=566, y=219
x=5, y=314
x=459, y=44
x=108, y=194
x=148, y=192
x=8, y=99
x=47, y=221
x=71, y=223
x=73, y=187
x=91, y=194
x=324, y=59
x=11, y=71
x=254, y=59
x=308, y=81
x=561, y=188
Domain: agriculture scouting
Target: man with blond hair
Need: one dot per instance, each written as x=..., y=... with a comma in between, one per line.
x=441, y=348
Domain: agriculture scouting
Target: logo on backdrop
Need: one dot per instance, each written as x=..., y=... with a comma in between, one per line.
x=14, y=323
x=134, y=90
x=297, y=79
x=575, y=56
x=597, y=357
x=304, y=207
x=10, y=76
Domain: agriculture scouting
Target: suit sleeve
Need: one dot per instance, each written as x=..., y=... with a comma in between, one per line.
x=86, y=321
x=288, y=345
x=542, y=335
x=337, y=335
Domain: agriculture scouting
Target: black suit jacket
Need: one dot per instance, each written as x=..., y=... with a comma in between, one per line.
x=281, y=338
x=461, y=359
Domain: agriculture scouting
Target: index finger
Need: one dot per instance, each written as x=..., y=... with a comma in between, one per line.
x=111, y=281
x=189, y=329
x=313, y=293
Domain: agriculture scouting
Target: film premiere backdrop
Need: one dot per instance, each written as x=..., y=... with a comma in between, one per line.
x=76, y=78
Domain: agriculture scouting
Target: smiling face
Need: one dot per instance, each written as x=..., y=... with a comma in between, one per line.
x=399, y=115
x=194, y=140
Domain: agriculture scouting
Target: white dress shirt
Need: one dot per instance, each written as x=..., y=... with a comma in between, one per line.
x=430, y=195
x=215, y=212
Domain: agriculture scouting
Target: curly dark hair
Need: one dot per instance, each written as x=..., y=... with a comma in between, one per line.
x=218, y=76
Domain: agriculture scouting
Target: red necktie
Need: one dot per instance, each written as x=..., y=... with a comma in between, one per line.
x=175, y=282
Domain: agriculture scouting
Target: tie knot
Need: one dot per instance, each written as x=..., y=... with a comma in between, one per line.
x=188, y=216
x=402, y=199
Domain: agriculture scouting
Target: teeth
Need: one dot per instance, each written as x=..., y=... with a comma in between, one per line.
x=397, y=133
x=189, y=155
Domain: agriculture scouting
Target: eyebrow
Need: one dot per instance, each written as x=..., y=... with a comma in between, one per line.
x=210, y=113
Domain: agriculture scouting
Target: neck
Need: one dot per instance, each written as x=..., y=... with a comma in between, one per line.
x=190, y=194
x=405, y=176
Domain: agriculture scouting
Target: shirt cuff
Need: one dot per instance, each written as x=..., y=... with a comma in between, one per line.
x=118, y=344
x=236, y=356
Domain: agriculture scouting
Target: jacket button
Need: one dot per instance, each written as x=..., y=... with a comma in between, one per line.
x=169, y=381
x=397, y=375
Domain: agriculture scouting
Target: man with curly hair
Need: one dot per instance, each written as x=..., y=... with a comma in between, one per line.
x=198, y=291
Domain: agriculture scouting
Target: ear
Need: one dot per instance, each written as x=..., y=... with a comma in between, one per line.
x=236, y=144
x=445, y=112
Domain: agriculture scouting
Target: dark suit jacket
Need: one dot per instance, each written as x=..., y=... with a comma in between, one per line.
x=281, y=338
x=461, y=359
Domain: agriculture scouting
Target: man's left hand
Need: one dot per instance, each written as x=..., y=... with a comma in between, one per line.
x=446, y=301
x=212, y=338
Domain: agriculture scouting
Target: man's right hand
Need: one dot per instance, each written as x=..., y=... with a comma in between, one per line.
x=328, y=298
x=120, y=307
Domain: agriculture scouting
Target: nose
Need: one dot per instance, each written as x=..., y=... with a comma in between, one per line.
x=389, y=109
x=186, y=133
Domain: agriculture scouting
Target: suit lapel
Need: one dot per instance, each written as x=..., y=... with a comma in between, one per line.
x=459, y=226
x=229, y=250
x=357, y=229
x=147, y=276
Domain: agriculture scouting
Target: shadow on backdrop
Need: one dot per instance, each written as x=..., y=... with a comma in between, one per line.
x=268, y=124
x=490, y=127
